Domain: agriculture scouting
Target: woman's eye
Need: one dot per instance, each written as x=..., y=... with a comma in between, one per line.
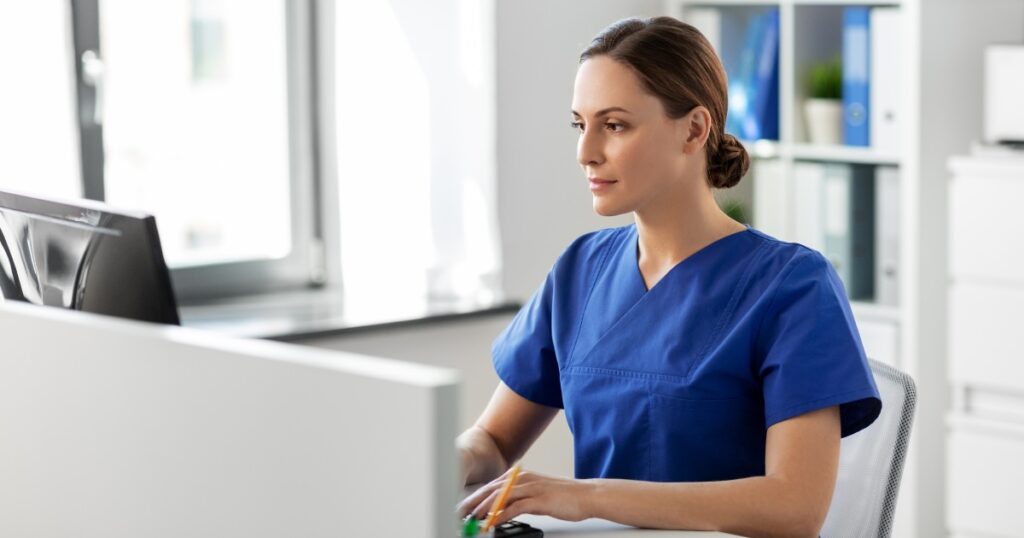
x=611, y=126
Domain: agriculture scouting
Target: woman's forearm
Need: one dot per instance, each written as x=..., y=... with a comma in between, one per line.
x=757, y=506
x=479, y=456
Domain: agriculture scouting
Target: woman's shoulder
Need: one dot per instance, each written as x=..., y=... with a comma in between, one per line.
x=594, y=247
x=782, y=259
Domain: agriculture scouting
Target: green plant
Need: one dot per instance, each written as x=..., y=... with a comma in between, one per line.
x=825, y=80
x=735, y=210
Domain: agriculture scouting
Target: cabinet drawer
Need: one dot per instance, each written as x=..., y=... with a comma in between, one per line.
x=984, y=238
x=984, y=333
x=985, y=476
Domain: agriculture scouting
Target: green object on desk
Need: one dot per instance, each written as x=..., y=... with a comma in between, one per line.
x=472, y=527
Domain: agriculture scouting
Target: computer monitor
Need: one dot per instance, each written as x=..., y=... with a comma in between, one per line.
x=83, y=255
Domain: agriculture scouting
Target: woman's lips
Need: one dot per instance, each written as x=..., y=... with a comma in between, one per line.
x=600, y=184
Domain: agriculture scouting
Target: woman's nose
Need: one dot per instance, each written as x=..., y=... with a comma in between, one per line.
x=588, y=149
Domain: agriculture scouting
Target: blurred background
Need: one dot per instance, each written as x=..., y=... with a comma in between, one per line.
x=395, y=177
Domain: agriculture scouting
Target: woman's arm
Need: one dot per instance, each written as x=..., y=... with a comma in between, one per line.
x=503, y=433
x=792, y=499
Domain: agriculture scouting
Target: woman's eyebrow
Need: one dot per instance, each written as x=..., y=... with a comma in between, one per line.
x=603, y=112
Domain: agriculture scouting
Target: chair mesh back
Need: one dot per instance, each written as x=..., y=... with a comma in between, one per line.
x=871, y=462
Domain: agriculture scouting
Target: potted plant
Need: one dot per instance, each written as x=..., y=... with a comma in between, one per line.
x=823, y=110
x=735, y=210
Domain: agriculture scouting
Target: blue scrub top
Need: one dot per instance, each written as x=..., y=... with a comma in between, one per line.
x=681, y=382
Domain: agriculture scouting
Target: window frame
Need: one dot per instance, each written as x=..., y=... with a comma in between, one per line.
x=311, y=262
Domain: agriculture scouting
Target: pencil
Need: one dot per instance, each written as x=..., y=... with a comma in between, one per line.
x=499, y=503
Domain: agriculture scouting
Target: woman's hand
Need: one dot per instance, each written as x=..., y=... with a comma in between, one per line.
x=561, y=498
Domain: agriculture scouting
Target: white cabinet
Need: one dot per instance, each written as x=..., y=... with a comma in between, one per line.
x=985, y=457
x=984, y=207
x=985, y=479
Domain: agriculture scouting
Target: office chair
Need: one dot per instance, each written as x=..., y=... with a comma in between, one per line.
x=871, y=462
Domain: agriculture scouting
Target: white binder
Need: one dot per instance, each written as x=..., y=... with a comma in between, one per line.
x=886, y=69
x=808, y=199
x=887, y=235
x=771, y=199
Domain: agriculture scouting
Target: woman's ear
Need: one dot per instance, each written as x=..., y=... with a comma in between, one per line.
x=697, y=128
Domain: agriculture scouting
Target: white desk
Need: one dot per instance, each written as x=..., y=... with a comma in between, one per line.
x=599, y=528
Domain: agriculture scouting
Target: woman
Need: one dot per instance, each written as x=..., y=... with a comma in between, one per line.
x=707, y=370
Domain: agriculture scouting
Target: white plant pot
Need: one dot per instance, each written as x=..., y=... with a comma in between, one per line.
x=824, y=120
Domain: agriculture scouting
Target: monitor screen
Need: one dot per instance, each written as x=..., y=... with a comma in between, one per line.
x=83, y=255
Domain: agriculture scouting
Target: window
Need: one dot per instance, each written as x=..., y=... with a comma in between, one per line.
x=198, y=112
x=39, y=136
x=195, y=124
x=279, y=143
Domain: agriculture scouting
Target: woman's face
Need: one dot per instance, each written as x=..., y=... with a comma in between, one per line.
x=632, y=153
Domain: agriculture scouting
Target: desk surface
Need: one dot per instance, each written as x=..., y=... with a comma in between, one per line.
x=324, y=312
x=599, y=528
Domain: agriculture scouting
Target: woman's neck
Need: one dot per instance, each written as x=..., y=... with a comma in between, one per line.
x=672, y=232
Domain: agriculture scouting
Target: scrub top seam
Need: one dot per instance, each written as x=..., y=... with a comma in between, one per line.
x=590, y=293
x=730, y=308
x=614, y=372
x=643, y=376
x=771, y=305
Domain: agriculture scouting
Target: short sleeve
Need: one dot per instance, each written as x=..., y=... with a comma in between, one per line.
x=813, y=357
x=524, y=353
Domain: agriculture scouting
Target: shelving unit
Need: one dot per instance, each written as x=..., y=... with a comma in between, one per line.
x=940, y=96
x=771, y=149
x=844, y=154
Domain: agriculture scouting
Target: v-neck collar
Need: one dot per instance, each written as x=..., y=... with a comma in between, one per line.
x=633, y=254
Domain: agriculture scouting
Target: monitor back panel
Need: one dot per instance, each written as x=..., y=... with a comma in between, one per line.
x=84, y=256
x=111, y=428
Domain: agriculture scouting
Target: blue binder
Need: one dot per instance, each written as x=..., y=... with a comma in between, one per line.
x=766, y=88
x=856, y=79
x=753, y=73
x=740, y=70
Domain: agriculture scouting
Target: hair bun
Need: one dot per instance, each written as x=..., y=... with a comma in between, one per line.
x=729, y=164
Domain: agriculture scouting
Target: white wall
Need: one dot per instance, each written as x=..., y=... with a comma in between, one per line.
x=543, y=198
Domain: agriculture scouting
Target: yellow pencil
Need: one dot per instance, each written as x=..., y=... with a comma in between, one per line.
x=499, y=503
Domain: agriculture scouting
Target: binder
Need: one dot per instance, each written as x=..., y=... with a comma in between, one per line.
x=740, y=119
x=771, y=199
x=766, y=79
x=856, y=65
x=837, y=232
x=886, y=61
x=753, y=73
x=887, y=235
x=808, y=199
x=849, y=231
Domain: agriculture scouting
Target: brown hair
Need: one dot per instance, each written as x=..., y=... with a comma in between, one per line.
x=677, y=64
